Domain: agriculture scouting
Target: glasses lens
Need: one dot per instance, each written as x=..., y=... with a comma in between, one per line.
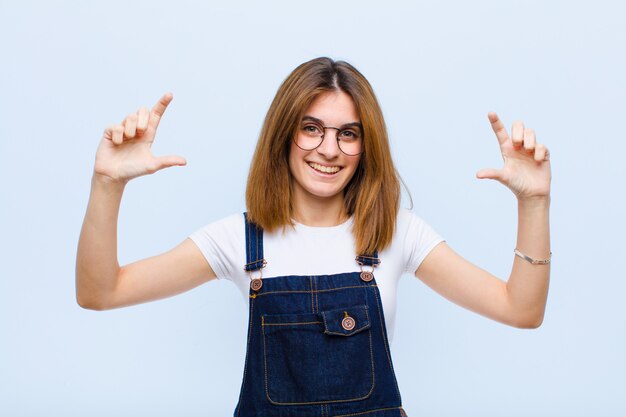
x=310, y=136
x=350, y=140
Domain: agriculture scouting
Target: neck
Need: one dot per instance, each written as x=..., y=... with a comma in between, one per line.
x=318, y=212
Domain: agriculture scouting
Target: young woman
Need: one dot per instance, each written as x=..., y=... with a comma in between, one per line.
x=319, y=252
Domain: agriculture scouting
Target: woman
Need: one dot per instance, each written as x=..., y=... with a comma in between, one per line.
x=322, y=245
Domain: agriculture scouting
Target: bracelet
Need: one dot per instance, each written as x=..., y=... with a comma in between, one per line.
x=531, y=260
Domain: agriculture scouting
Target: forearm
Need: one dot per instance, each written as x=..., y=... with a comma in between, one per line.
x=96, y=260
x=527, y=287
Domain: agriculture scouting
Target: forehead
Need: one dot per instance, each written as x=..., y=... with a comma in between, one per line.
x=333, y=108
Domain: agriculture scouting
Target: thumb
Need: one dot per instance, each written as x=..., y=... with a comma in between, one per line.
x=490, y=173
x=169, y=161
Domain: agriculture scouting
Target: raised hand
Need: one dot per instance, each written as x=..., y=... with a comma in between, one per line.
x=526, y=168
x=124, y=151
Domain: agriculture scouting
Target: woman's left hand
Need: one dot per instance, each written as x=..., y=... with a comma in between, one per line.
x=526, y=168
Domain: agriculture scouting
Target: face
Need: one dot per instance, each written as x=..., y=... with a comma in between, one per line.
x=324, y=172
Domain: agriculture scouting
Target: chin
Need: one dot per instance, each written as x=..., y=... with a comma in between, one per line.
x=323, y=192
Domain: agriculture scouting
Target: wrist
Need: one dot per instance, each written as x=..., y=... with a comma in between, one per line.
x=106, y=182
x=537, y=202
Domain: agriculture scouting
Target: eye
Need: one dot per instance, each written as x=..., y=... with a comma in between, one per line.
x=311, y=129
x=348, y=134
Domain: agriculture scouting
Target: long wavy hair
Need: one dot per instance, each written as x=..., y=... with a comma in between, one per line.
x=372, y=196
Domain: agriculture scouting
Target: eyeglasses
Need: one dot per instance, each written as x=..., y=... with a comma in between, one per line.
x=312, y=132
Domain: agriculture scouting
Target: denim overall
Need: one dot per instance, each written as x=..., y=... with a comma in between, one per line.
x=317, y=345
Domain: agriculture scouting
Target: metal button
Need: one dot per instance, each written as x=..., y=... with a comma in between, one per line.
x=367, y=276
x=256, y=284
x=348, y=323
x=403, y=413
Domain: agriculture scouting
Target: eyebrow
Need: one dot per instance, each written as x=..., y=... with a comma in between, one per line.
x=316, y=120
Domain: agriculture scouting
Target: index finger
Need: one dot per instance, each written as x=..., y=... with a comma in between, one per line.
x=161, y=105
x=498, y=127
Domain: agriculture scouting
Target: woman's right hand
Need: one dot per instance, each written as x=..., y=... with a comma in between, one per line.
x=124, y=150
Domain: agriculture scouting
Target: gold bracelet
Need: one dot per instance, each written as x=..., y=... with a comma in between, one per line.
x=531, y=260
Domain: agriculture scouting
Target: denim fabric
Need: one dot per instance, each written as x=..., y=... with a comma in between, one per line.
x=302, y=362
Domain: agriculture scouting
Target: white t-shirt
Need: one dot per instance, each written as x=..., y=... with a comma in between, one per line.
x=298, y=250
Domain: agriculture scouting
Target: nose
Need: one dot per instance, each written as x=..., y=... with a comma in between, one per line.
x=329, y=146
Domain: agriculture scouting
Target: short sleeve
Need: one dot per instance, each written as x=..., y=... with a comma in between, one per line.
x=220, y=242
x=419, y=240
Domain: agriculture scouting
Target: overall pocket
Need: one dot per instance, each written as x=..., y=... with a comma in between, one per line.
x=318, y=357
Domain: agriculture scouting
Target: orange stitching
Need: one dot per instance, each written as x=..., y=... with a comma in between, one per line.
x=317, y=306
x=294, y=322
x=256, y=242
x=383, y=326
x=372, y=358
x=374, y=264
x=308, y=291
x=354, y=331
x=367, y=257
x=267, y=394
x=311, y=286
x=258, y=260
x=248, y=225
x=249, y=229
x=247, y=350
x=367, y=412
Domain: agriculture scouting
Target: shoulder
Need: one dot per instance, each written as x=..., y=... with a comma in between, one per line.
x=225, y=228
x=416, y=237
x=406, y=220
x=222, y=243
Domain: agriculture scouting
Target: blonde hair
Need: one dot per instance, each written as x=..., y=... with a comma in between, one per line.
x=372, y=196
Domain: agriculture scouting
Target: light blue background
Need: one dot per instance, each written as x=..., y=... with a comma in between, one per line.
x=69, y=69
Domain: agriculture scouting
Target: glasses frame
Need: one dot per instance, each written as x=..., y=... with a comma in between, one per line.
x=338, y=129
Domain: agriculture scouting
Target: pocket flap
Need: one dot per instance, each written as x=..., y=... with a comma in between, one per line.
x=335, y=324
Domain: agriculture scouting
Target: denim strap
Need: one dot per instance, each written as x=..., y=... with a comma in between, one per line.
x=369, y=260
x=254, y=246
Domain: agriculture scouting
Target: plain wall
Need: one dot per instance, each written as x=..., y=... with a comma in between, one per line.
x=69, y=69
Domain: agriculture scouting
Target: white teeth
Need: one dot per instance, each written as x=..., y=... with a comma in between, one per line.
x=327, y=170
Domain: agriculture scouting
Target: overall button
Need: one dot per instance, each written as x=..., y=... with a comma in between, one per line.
x=367, y=276
x=348, y=322
x=256, y=284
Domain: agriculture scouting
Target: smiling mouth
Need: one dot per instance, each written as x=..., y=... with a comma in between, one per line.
x=324, y=169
